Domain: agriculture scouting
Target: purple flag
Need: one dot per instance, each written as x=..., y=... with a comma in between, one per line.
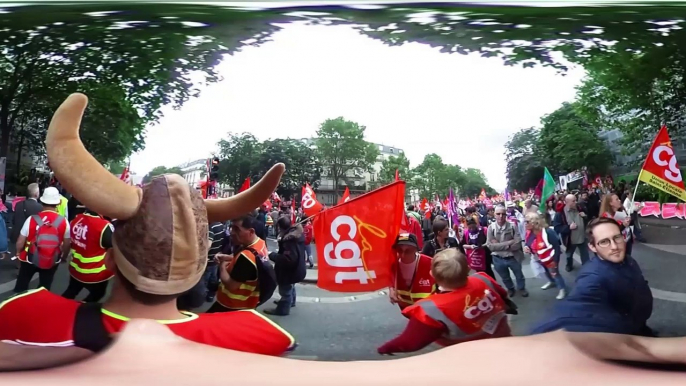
x=452, y=208
x=506, y=196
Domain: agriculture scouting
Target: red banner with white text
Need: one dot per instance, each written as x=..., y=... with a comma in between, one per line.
x=355, y=240
x=661, y=169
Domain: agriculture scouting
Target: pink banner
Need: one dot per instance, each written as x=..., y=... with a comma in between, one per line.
x=667, y=210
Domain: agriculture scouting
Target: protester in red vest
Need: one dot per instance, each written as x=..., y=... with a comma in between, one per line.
x=43, y=242
x=91, y=237
x=465, y=308
x=544, y=244
x=413, y=279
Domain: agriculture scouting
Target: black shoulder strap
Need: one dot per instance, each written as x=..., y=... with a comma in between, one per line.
x=89, y=331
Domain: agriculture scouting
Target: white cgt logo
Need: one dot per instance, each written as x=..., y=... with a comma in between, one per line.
x=672, y=173
x=307, y=200
x=338, y=247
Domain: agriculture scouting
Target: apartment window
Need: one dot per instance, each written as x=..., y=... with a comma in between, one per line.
x=380, y=147
x=392, y=150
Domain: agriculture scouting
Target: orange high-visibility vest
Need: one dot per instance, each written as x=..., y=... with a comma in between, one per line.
x=247, y=296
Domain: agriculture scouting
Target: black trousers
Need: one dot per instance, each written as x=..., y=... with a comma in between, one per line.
x=96, y=291
x=216, y=307
x=26, y=272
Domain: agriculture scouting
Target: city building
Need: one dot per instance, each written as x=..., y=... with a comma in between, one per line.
x=196, y=171
x=631, y=164
x=358, y=182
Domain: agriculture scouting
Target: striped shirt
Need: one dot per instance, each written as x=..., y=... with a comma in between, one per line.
x=216, y=233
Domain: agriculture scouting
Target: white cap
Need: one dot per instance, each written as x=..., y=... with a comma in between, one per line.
x=51, y=196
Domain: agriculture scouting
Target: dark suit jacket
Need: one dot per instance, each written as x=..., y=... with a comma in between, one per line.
x=24, y=210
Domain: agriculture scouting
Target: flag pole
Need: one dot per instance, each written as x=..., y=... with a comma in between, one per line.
x=633, y=196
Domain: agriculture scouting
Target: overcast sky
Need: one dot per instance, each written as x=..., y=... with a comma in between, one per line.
x=412, y=97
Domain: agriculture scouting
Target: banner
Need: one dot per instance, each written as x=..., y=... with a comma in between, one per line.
x=355, y=240
x=661, y=169
x=309, y=202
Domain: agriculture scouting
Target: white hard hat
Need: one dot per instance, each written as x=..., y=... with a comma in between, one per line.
x=51, y=196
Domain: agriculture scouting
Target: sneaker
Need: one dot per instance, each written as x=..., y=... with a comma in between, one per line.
x=561, y=295
x=548, y=285
x=524, y=293
x=510, y=292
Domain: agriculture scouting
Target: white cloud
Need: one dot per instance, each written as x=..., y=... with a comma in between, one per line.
x=411, y=97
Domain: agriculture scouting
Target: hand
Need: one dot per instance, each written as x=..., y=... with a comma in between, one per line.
x=582, y=214
x=527, y=250
x=572, y=226
x=393, y=296
x=223, y=258
x=627, y=221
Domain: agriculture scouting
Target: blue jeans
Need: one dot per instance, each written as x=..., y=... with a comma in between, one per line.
x=211, y=279
x=308, y=252
x=583, y=252
x=557, y=278
x=287, y=293
x=503, y=267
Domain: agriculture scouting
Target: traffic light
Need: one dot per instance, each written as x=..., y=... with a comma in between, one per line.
x=214, y=169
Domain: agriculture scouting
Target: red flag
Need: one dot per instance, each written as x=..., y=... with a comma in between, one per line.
x=268, y=205
x=661, y=169
x=397, y=176
x=346, y=196
x=309, y=202
x=355, y=242
x=245, y=186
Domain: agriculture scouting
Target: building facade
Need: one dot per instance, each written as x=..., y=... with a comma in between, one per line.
x=631, y=164
x=196, y=171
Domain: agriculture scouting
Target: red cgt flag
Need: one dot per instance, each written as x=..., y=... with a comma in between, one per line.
x=309, y=202
x=661, y=169
x=346, y=196
x=245, y=186
x=355, y=240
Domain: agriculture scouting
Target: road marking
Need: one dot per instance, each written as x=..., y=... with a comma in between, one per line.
x=303, y=357
x=339, y=299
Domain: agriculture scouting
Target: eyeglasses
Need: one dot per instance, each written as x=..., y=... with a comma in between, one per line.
x=618, y=239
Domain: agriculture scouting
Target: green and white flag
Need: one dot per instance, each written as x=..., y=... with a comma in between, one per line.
x=548, y=189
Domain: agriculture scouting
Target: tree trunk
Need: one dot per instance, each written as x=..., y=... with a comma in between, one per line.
x=19, y=151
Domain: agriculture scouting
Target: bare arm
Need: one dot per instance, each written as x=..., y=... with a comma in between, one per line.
x=16, y=357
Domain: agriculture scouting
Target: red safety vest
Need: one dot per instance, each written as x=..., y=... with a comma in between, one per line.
x=247, y=296
x=42, y=318
x=46, y=216
x=422, y=284
x=475, y=311
x=88, y=255
x=543, y=249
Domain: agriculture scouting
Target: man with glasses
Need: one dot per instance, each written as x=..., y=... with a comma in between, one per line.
x=610, y=295
x=505, y=242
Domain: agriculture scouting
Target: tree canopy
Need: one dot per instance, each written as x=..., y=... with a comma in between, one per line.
x=565, y=142
x=432, y=176
x=343, y=151
x=129, y=63
x=159, y=170
x=243, y=155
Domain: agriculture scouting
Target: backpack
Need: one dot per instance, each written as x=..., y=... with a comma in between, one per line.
x=266, y=276
x=45, y=250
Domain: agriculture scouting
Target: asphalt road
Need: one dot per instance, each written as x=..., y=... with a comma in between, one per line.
x=341, y=327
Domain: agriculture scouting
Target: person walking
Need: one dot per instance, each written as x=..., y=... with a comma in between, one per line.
x=504, y=242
